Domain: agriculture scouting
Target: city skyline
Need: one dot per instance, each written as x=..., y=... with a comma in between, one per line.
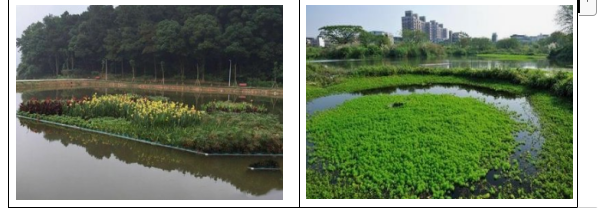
x=488, y=19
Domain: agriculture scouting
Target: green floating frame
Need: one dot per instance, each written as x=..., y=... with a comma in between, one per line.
x=264, y=169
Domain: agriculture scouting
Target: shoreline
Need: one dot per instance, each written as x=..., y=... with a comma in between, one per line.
x=36, y=85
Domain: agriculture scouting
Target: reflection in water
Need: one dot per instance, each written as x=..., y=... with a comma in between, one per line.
x=531, y=141
x=447, y=63
x=62, y=163
x=226, y=171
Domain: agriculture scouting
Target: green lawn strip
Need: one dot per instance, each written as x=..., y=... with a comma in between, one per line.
x=365, y=83
x=422, y=149
x=559, y=82
x=512, y=56
x=216, y=133
x=555, y=164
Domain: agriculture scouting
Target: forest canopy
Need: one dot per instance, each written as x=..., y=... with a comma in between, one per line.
x=193, y=42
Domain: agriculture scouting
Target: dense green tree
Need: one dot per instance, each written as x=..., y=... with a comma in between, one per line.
x=508, y=43
x=193, y=39
x=340, y=34
x=565, y=17
x=563, y=52
x=481, y=44
x=169, y=40
x=202, y=31
x=32, y=45
x=414, y=36
x=464, y=42
x=366, y=38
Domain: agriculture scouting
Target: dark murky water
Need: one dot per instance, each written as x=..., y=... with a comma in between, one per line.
x=61, y=163
x=531, y=140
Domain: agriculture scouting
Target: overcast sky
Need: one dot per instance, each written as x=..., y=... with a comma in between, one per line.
x=26, y=15
x=477, y=21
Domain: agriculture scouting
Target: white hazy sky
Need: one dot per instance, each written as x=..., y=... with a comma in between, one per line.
x=27, y=14
x=477, y=21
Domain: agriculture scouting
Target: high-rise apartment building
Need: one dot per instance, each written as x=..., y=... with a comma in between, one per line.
x=434, y=30
x=411, y=21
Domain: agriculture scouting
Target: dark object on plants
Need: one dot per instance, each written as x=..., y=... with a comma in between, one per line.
x=397, y=105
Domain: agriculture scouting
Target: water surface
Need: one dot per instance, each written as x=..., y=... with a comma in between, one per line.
x=60, y=163
x=446, y=63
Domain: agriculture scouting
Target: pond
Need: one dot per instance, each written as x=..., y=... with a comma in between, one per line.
x=530, y=140
x=447, y=63
x=62, y=163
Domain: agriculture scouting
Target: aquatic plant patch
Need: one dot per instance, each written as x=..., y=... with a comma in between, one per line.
x=165, y=122
x=215, y=133
x=424, y=147
x=141, y=111
x=229, y=106
x=555, y=164
x=45, y=107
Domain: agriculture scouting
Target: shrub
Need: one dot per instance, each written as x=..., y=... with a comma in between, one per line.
x=45, y=107
x=141, y=111
x=561, y=83
x=228, y=106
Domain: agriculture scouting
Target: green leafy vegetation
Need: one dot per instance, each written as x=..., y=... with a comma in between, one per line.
x=228, y=106
x=511, y=56
x=560, y=82
x=151, y=42
x=555, y=164
x=171, y=123
x=367, y=149
x=553, y=106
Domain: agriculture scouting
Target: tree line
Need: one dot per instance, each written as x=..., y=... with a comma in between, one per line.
x=198, y=42
x=353, y=42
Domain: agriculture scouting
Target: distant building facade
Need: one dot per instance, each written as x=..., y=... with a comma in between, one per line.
x=412, y=21
x=315, y=42
x=444, y=34
x=494, y=37
x=311, y=42
x=321, y=41
x=528, y=39
x=435, y=31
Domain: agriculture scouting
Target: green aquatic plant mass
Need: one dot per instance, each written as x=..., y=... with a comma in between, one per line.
x=406, y=146
x=165, y=122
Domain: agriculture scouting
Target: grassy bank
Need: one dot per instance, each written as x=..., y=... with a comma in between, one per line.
x=414, y=146
x=35, y=85
x=512, y=57
x=555, y=178
x=559, y=83
x=169, y=123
